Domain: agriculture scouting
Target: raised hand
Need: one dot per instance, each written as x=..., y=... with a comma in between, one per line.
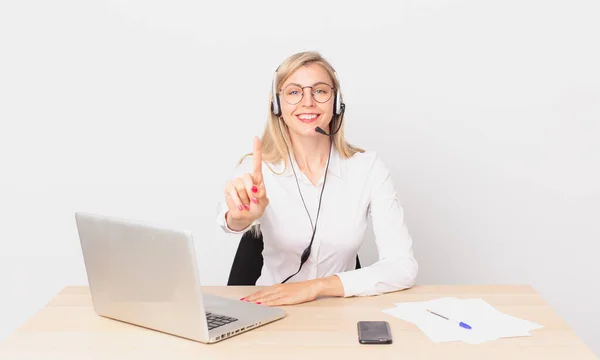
x=246, y=195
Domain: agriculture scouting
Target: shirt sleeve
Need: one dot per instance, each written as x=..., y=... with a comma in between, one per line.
x=244, y=167
x=396, y=268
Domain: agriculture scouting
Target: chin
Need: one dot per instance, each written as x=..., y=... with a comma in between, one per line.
x=306, y=130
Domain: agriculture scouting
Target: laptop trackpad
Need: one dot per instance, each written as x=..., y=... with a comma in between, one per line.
x=216, y=302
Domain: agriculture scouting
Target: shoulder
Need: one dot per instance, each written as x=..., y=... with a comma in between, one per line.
x=369, y=160
x=371, y=171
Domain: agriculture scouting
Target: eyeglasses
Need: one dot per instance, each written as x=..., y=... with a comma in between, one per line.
x=293, y=94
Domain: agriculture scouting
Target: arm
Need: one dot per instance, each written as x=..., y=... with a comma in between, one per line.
x=396, y=268
x=299, y=292
x=330, y=286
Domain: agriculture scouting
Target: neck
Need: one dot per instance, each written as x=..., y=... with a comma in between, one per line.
x=310, y=153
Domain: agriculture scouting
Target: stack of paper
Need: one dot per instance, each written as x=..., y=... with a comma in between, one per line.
x=485, y=321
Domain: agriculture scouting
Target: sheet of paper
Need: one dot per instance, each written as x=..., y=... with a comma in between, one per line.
x=487, y=322
x=436, y=328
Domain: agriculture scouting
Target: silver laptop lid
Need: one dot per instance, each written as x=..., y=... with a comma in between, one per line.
x=143, y=274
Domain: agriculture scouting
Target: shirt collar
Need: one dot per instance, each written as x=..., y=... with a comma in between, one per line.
x=335, y=165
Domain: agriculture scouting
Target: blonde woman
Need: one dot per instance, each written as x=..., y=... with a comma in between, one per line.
x=310, y=194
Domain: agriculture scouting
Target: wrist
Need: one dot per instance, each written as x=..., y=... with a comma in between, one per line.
x=236, y=225
x=329, y=286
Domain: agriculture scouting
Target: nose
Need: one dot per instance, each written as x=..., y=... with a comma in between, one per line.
x=307, y=98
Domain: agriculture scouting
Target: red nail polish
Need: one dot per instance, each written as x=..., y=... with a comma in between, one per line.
x=258, y=302
x=255, y=200
x=242, y=298
x=247, y=207
x=254, y=189
x=240, y=207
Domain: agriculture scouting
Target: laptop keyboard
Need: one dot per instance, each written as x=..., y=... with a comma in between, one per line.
x=214, y=320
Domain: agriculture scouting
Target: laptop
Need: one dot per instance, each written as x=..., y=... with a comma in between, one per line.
x=148, y=276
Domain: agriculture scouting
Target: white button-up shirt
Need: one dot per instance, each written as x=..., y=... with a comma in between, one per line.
x=355, y=189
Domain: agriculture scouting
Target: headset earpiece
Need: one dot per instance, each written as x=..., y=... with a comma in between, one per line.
x=337, y=103
x=275, y=104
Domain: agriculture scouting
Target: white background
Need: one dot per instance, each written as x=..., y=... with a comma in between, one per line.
x=487, y=112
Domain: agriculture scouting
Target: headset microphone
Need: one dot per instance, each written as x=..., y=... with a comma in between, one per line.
x=321, y=131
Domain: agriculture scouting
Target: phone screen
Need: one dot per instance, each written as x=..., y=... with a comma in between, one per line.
x=374, y=332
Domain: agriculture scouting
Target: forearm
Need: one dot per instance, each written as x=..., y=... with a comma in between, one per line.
x=330, y=286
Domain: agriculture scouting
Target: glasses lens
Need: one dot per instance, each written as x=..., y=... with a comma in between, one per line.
x=322, y=93
x=292, y=94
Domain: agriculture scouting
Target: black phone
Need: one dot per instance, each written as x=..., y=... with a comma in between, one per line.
x=374, y=332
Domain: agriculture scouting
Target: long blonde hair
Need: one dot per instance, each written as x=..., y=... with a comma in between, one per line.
x=273, y=142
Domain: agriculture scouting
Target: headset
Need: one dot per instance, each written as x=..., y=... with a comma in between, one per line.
x=339, y=109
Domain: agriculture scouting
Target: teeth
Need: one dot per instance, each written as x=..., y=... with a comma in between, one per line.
x=307, y=117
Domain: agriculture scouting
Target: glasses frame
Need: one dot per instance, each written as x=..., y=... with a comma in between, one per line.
x=333, y=90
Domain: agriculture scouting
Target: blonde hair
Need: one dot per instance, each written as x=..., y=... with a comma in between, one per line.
x=276, y=133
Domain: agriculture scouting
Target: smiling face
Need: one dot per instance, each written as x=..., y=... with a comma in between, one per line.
x=303, y=117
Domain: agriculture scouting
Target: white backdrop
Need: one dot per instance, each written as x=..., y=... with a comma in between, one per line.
x=487, y=112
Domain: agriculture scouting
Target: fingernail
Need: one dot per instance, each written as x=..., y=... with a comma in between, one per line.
x=247, y=207
x=242, y=298
x=240, y=207
x=247, y=300
x=254, y=189
x=258, y=302
x=255, y=200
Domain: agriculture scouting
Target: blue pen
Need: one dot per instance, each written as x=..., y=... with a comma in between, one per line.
x=460, y=323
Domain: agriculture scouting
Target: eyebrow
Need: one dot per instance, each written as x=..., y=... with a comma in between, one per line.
x=317, y=83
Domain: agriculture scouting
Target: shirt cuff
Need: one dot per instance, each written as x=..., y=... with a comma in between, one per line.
x=351, y=286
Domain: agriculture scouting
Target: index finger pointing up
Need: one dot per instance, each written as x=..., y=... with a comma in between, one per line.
x=257, y=173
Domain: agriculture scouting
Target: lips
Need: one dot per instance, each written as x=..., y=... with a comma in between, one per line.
x=308, y=118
